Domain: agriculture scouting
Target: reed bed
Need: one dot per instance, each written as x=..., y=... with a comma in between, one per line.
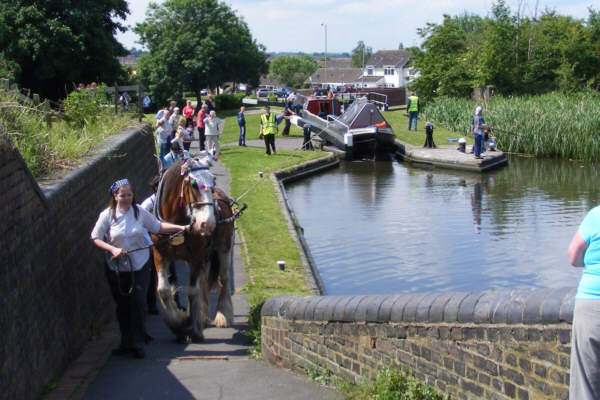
x=48, y=148
x=550, y=125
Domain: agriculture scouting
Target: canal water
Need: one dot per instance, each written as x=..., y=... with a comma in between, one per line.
x=387, y=227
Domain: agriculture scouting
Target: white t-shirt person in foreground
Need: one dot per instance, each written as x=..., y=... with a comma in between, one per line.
x=121, y=228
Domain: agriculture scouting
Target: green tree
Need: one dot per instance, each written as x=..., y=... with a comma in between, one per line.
x=194, y=44
x=444, y=62
x=516, y=54
x=58, y=43
x=357, y=54
x=292, y=70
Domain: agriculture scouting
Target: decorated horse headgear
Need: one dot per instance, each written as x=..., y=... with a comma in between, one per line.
x=117, y=184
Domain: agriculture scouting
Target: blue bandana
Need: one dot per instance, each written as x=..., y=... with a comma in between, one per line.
x=115, y=186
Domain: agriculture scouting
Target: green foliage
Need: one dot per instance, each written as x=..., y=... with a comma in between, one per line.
x=194, y=44
x=44, y=148
x=516, y=54
x=8, y=69
x=57, y=44
x=253, y=332
x=357, y=54
x=228, y=101
x=551, y=125
x=322, y=375
x=292, y=70
x=84, y=107
x=272, y=97
x=391, y=384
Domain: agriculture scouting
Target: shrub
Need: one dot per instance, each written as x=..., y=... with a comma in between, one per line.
x=228, y=101
x=391, y=384
x=272, y=97
x=83, y=107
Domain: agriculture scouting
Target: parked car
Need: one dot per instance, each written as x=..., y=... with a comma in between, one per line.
x=264, y=92
x=284, y=91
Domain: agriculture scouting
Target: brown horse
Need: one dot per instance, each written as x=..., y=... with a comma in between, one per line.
x=187, y=195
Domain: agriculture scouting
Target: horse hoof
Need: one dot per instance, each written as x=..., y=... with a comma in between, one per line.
x=182, y=339
x=220, y=321
x=197, y=338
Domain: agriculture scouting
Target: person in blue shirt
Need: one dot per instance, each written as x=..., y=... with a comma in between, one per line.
x=241, y=120
x=146, y=102
x=477, y=123
x=176, y=153
x=584, y=251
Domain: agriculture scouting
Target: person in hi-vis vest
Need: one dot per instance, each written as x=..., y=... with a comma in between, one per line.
x=268, y=129
x=413, y=109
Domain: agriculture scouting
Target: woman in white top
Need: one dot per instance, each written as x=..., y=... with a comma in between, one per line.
x=121, y=229
x=213, y=126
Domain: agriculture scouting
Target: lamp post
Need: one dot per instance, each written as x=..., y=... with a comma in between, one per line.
x=323, y=24
x=363, y=63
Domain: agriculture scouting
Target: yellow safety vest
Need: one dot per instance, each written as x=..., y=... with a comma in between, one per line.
x=269, y=125
x=414, y=103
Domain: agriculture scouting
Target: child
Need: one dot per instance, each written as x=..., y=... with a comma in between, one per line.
x=179, y=134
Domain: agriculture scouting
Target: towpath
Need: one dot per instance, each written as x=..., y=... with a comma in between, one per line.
x=219, y=368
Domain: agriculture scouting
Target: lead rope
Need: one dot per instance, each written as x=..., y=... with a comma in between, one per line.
x=285, y=160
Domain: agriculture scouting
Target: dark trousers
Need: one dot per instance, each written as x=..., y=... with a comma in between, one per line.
x=412, y=116
x=201, y=138
x=477, y=145
x=131, y=308
x=242, y=139
x=270, y=142
x=286, y=129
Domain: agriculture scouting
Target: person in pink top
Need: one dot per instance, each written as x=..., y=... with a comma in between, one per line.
x=202, y=114
x=188, y=113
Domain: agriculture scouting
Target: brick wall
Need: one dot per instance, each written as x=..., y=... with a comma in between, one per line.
x=505, y=344
x=54, y=294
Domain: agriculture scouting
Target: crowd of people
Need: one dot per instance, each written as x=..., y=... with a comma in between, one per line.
x=176, y=127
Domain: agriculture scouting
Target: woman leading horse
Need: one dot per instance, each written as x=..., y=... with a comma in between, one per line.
x=122, y=231
x=187, y=195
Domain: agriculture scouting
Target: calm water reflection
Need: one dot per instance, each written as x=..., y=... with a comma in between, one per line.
x=380, y=228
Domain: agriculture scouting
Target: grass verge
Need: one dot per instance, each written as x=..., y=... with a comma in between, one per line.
x=263, y=226
x=46, y=149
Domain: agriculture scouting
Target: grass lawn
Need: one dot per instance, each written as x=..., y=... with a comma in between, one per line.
x=263, y=225
x=399, y=122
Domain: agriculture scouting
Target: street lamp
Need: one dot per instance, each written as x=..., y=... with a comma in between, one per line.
x=363, y=63
x=323, y=24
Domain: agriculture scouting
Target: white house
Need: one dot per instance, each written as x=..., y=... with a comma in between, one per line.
x=386, y=69
x=333, y=76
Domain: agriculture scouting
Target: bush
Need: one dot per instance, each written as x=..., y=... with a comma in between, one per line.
x=272, y=97
x=83, y=107
x=306, y=85
x=391, y=384
x=228, y=101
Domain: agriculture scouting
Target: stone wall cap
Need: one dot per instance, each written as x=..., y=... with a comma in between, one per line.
x=505, y=306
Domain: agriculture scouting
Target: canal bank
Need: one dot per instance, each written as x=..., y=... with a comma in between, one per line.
x=220, y=367
x=502, y=343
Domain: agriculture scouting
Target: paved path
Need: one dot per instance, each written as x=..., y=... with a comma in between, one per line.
x=219, y=368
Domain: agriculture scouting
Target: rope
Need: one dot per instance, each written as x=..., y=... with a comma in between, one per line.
x=260, y=173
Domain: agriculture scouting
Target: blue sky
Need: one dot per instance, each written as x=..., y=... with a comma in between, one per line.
x=295, y=25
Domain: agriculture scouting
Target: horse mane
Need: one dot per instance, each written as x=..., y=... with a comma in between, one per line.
x=171, y=179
